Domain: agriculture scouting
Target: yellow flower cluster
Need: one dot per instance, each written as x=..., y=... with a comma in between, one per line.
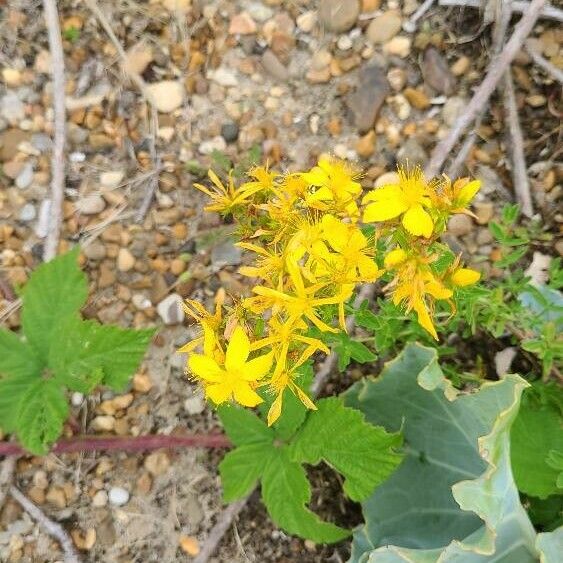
x=310, y=251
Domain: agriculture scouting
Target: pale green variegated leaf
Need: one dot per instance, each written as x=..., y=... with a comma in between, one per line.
x=363, y=453
x=286, y=492
x=55, y=291
x=242, y=467
x=88, y=353
x=550, y=546
x=453, y=498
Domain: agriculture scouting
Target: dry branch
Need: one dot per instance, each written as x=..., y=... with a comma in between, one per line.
x=516, y=144
x=547, y=12
x=229, y=514
x=496, y=70
x=6, y=477
x=52, y=528
x=57, y=160
x=556, y=73
x=410, y=25
x=126, y=443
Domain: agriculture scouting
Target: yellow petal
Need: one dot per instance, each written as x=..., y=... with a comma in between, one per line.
x=467, y=193
x=237, y=350
x=245, y=395
x=394, y=258
x=383, y=210
x=190, y=346
x=438, y=291
x=218, y=392
x=465, y=276
x=424, y=319
x=389, y=191
x=275, y=410
x=258, y=367
x=205, y=368
x=368, y=268
x=303, y=397
x=418, y=222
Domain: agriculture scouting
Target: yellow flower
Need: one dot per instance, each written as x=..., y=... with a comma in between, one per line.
x=279, y=383
x=462, y=192
x=335, y=181
x=409, y=198
x=209, y=323
x=301, y=303
x=268, y=266
x=462, y=277
x=352, y=260
x=263, y=179
x=394, y=258
x=226, y=198
x=237, y=377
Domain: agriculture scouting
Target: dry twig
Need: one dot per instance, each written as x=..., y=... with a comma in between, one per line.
x=52, y=528
x=496, y=70
x=410, y=25
x=6, y=476
x=518, y=158
x=229, y=514
x=547, y=12
x=556, y=73
x=57, y=160
x=136, y=78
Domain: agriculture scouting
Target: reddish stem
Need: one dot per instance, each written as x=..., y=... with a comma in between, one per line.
x=126, y=443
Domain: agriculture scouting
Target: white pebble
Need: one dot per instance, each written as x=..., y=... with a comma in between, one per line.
x=76, y=399
x=118, y=496
x=100, y=499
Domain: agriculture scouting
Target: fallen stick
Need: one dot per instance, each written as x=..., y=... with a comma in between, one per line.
x=547, y=12
x=495, y=72
x=136, y=78
x=6, y=477
x=410, y=25
x=556, y=73
x=52, y=528
x=516, y=144
x=58, y=154
x=125, y=443
x=230, y=513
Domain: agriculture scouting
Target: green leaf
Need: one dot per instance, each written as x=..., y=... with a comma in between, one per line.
x=55, y=291
x=12, y=392
x=83, y=348
x=286, y=492
x=243, y=427
x=17, y=358
x=339, y=435
x=42, y=414
x=537, y=430
x=349, y=349
x=453, y=498
x=242, y=467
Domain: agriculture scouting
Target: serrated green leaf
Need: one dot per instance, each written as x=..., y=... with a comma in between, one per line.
x=84, y=347
x=242, y=467
x=340, y=436
x=453, y=498
x=55, y=291
x=286, y=492
x=43, y=410
x=12, y=392
x=537, y=430
x=243, y=427
x=17, y=358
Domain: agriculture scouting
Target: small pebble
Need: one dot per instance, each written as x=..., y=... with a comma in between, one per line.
x=100, y=499
x=230, y=131
x=90, y=205
x=25, y=177
x=118, y=496
x=125, y=260
x=170, y=309
x=28, y=213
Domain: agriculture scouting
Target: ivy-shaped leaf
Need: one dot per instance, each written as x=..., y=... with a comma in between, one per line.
x=56, y=290
x=286, y=492
x=86, y=349
x=363, y=453
x=43, y=411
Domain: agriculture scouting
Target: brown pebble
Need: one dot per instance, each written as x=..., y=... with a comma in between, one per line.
x=56, y=497
x=365, y=146
x=142, y=383
x=157, y=463
x=189, y=545
x=125, y=260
